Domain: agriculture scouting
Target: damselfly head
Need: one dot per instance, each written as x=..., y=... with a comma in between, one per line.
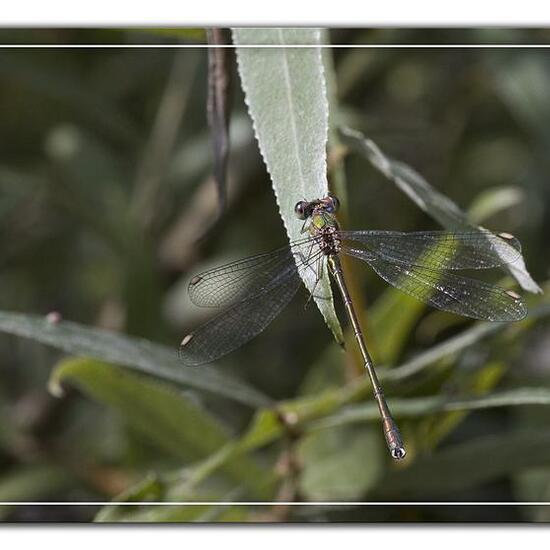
x=328, y=204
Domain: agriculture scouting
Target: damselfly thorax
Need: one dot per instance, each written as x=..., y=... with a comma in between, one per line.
x=321, y=224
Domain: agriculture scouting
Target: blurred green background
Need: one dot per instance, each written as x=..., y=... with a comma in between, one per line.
x=107, y=208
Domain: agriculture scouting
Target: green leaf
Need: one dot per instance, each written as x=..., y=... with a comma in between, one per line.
x=151, y=488
x=134, y=353
x=267, y=427
x=149, y=514
x=391, y=318
x=468, y=465
x=494, y=200
x=285, y=91
x=426, y=197
x=419, y=406
x=177, y=514
x=173, y=422
x=472, y=383
x=460, y=342
x=446, y=348
x=341, y=463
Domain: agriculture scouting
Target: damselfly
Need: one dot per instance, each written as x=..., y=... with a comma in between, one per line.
x=254, y=290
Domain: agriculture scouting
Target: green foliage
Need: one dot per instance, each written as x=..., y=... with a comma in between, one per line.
x=172, y=421
x=391, y=319
x=341, y=463
x=141, y=355
x=420, y=406
x=88, y=231
x=437, y=205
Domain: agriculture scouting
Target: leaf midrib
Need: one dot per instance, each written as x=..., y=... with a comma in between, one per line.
x=294, y=127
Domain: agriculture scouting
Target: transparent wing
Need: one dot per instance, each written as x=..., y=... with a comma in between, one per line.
x=438, y=249
x=240, y=280
x=241, y=322
x=447, y=291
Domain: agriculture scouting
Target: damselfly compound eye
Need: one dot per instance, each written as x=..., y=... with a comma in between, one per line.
x=335, y=202
x=300, y=210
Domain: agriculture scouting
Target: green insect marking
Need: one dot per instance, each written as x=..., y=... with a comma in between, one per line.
x=321, y=220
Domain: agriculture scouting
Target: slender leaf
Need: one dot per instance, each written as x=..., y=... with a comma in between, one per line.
x=285, y=92
x=175, y=514
x=466, y=382
x=458, y=343
x=134, y=353
x=419, y=406
x=426, y=197
x=150, y=488
x=446, y=348
x=172, y=421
